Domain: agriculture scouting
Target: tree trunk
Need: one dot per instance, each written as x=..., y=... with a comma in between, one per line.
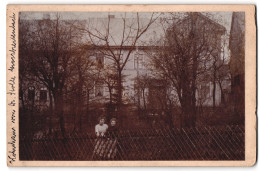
x=59, y=104
x=79, y=111
x=51, y=112
x=80, y=108
x=119, y=89
x=138, y=99
x=58, y=100
x=169, y=109
x=186, y=106
x=214, y=86
x=185, y=113
x=193, y=111
x=193, y=106
x=110, y=94
x=80, y=97
x=119, y=98
x=214, y=95
x=144, y=99
x=193, y=90
x=222, y=93
x=87, y=107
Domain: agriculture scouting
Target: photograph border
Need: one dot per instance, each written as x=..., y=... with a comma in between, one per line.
x=12, y=81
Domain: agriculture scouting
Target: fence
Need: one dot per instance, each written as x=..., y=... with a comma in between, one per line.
x=204, y=143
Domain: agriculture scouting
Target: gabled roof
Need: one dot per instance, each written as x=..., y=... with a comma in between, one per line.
x=220, y=27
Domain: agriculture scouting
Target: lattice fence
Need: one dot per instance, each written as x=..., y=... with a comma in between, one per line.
x=204, y=143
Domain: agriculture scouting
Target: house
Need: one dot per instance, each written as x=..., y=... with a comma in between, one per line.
x=135, y=67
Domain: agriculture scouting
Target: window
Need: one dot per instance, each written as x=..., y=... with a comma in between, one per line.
x=100, y=60
x=31, y=93
x=43, y=94
x=98, y=89
x=138, y=61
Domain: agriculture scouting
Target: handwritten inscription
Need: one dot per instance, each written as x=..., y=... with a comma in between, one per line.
x=13, y=45
x=13, y=116
x=11, y=82
x=12, y=153
x=12, y=103
x=11, y=92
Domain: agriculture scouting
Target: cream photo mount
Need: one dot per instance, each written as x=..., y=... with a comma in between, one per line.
x=12, y=81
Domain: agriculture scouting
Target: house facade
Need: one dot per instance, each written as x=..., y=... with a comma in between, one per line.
x=137, y=66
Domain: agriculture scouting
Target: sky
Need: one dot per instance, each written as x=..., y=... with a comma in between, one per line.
x=154, y=32
x=223, y=18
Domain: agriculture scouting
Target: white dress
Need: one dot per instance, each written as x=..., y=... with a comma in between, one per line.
x=100, y=145
x=101, y=129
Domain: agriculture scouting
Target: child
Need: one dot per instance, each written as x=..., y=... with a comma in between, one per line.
x=101, y=127
x=112, y=140
x=112, y=130
x=100, y=146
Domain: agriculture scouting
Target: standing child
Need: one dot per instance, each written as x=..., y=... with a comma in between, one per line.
x=101, y=127
x=112, y=140
x=100, y=130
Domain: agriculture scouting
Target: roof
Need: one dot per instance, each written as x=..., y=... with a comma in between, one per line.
x=220, y=27
x=98, y=26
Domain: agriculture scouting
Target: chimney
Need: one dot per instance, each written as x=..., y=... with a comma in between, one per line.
x=111, y=16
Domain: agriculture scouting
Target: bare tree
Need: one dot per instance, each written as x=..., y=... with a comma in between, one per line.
x=185, y=54
x=142, y=83
x=109, y=77
x=223, y=76
x=25, y=49
x=80, y=83
x=52, y=47
x=116, y=40
x=219, y=71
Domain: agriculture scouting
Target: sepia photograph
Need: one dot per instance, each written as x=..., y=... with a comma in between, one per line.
x=131, y=86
